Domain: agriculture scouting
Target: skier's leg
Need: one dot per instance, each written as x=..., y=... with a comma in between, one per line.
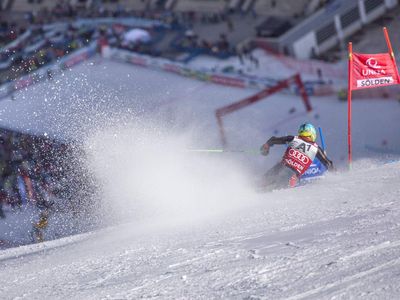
x=271, y=178
x=286, y=177
x=272, y=172
x=293, y=178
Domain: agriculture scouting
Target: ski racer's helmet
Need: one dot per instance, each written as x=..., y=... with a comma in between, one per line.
x=307, y=130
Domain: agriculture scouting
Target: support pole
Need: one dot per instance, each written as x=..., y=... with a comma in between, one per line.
x=389, y=45
x=350, y=81
x=221, y=129
x=321, y=136
x=303, y=92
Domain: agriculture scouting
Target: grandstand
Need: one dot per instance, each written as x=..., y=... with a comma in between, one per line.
x=262, y=7
x=137, y=5
x=299, y=28
x=370, y=39
x=328, y=27
x=200, y=5
x=288, y=8
x=32, y=6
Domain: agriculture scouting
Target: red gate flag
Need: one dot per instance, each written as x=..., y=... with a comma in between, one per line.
x=369, y=71
x=373, y=70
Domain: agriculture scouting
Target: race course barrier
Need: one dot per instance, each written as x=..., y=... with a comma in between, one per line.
x=316, y=88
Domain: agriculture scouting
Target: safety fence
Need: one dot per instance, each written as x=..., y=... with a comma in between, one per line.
x=316, y=88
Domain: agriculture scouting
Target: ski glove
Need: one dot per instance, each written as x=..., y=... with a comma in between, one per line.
x=264, y=149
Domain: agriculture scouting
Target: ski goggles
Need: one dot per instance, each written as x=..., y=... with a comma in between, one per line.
x=308, y=131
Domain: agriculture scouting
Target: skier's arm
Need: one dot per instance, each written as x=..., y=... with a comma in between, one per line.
x=280, y=140
x=324, y=159
x=275, y=141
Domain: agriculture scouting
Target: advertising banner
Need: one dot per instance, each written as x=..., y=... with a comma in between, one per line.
x=373, y=70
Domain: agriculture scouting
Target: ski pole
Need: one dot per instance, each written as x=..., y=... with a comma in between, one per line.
x=322, y=138
x=223, y=151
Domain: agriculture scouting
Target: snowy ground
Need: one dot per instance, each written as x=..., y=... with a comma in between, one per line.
x=335, y=239
x=193, y=227
x=275, y=66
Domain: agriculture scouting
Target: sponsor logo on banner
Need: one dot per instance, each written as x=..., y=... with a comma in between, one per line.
x=375, y=82
x=76, y=60
x=373, y=70
x=230, y=81
x=373, y=63
x=140, y=61
x=172, y=68
x=23, y=82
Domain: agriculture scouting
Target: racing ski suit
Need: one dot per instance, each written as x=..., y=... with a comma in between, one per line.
x=297, y=158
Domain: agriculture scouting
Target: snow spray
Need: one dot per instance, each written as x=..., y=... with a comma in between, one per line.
x=145, y=174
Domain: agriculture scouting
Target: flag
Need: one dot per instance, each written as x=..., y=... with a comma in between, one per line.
x=373, y=70
x=369, y=71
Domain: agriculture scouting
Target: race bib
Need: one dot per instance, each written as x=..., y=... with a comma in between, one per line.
x=300, y=155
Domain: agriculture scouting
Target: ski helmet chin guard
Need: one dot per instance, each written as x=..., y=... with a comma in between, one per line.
x=307, y=130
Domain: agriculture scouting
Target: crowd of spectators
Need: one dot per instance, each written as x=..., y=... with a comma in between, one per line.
x=43, y=47
x=40, y=48
x=191, y=42
x=36, y=170
x=63, y=11
x=9, y=31
x=181, y=22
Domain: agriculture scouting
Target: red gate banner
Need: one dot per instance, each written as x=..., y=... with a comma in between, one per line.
x=369, y=71
x=373, y=70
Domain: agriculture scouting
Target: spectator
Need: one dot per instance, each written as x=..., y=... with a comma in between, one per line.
x=31, y=171
x=3, y=198
x=229, y=24
x=40, y=226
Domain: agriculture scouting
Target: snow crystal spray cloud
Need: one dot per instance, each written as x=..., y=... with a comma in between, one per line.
x=146, y=173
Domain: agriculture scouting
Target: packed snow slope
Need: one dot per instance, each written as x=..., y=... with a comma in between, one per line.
x=191, y=225
x=337, y=238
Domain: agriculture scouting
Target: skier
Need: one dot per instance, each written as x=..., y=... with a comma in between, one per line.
x=299, y=155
